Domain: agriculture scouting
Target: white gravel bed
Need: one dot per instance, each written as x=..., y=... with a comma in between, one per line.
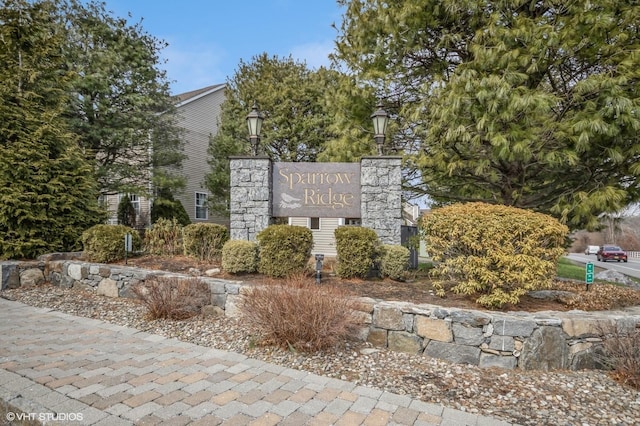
x=523, y=397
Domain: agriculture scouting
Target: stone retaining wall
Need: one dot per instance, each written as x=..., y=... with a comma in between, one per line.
x=533, y=341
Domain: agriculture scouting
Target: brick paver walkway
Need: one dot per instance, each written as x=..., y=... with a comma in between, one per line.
x=81, y=371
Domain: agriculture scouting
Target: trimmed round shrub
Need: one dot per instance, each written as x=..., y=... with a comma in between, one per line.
x=164, y=238
x=356, y=248
x=105, y=243
x=204, y=241
x=394, y=261
x=496, y=252
x=164, y=208
x=240, y=256
x=284, y=249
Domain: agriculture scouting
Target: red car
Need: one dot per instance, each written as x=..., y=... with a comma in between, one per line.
x=611, y=253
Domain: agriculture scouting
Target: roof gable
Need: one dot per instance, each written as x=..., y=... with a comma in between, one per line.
x=185, y=98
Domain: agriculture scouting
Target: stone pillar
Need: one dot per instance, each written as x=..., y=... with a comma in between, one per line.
x=250, y=204
x=381, y=202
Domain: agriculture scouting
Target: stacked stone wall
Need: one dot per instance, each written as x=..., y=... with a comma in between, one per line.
x=250, y=203
x=381, y=197
x=533, y=341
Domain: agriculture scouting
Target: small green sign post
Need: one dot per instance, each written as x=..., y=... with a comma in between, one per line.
x=588, y=277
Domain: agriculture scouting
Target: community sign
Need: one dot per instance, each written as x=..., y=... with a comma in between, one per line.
x=316, y=190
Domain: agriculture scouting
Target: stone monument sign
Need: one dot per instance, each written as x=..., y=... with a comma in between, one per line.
x=316, y=189
x=370, y=190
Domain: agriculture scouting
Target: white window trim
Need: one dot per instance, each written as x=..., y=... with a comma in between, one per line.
x=206, y=210
x=135, y=202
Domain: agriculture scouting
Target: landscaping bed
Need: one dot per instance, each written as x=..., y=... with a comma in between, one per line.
x=564, y=295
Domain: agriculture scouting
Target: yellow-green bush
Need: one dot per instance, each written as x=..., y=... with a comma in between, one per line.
x=497, y=252
x=356, y=248
x=164, y=238
x=394, y=261
x=105, y=243
x=240, y=256
x=284, y=249
x=204, y=241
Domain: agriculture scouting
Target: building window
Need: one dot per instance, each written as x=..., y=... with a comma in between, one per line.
x=314, y=223
x=353, y=221
x=201, y=205
x=135, y=202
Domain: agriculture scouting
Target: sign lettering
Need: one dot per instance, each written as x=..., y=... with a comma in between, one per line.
x=316, y=190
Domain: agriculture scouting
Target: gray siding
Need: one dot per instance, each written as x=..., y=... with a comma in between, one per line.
x=323, y=239
x=200, y=119
x=113, y=200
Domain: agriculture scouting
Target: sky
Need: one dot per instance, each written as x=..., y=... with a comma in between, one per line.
x=208, y=38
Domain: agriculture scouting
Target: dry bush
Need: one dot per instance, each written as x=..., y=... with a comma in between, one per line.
x=172, y=297
x=622, y=355
x=297, y=313
x=600, y=296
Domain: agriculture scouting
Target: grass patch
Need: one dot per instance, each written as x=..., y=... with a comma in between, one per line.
x=572, y=270
x=569, y=270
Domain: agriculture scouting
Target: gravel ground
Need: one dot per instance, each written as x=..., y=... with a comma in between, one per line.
x=523, y=397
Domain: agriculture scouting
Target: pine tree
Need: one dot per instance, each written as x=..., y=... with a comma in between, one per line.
x=121, y=106
x=49, y=194
x=532, y=104
x=297, y=124
x=126, y=212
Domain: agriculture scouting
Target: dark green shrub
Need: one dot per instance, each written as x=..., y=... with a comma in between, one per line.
x=168, y=208
x=497, y=252
x=105, y=243
x=394, y=261
x=240, y=256
x=204, y=241
x=164, y=238
x=126, y=212
x=284, y=249
x=356, y=247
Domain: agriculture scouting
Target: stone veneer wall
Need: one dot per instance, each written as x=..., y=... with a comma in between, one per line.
x=380, y=204
x=533, y=341
x=250, y=203
x=381, y=192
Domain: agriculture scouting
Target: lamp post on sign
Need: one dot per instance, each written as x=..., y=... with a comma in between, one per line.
x=254, y=122
x=380, y=119
x=588, y=276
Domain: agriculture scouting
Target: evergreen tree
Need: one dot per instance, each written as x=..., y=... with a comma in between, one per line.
x=351, y=106
x=122, y=108
x=126, y=212
x=292, y=100
x=526, y=103
x=49, y=194
x=166, y=207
